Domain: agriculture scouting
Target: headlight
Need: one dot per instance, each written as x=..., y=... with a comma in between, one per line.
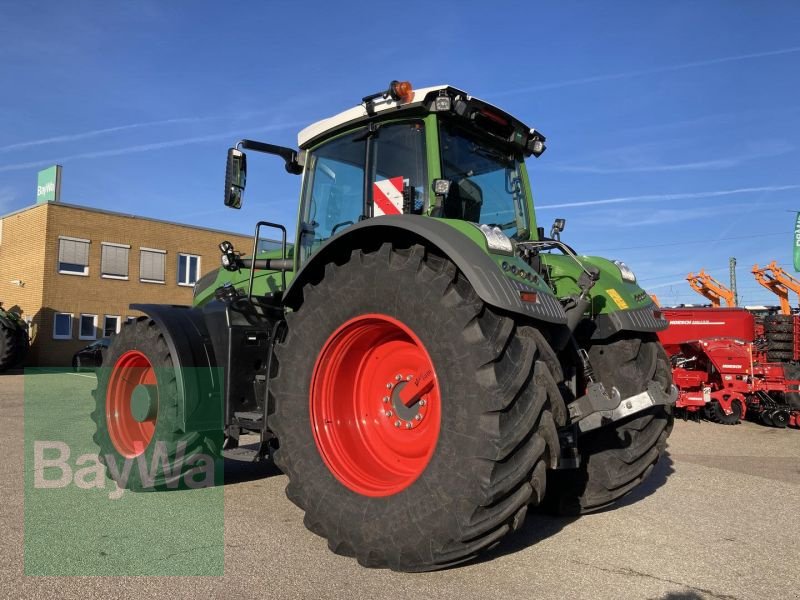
x=496, y=239
x=625, y=271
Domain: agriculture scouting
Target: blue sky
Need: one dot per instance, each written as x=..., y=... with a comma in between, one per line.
x=673, y=128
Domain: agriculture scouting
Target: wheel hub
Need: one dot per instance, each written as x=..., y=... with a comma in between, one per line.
x=402, y=416
x=144, y=402
x=375, y=405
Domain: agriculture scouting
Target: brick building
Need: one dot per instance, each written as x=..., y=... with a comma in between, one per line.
x=72, y=271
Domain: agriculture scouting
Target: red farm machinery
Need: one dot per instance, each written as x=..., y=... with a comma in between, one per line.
x=729, y=363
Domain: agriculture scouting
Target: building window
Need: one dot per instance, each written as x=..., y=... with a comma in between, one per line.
x=110, y=325
x=129, y=320
x=151, y=265
x=73, y=256
x=62, y=326
x=114, y=260
x=188, y=269
x=88, y=327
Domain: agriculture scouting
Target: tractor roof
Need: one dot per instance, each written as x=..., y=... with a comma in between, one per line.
x=381, y=105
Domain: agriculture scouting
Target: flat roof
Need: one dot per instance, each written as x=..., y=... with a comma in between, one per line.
x=126, y=215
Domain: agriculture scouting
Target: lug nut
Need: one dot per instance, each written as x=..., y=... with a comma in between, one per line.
x=397, y=423
x=408, y=424
x=389, y=385
x=386, y=398
x=422, y=403
x=409, y=377
x=388, y=413
x=398, y=377
x=418, y=418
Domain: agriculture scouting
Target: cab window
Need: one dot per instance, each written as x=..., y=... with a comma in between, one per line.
x=399, y=164
x=334, y=190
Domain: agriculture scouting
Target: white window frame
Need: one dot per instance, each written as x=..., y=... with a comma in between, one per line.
x=55, y=320
x=58, y=261
x=115, y=245
x=199, y=268
x=119, y=323
x=162, y=281
x=94, y=327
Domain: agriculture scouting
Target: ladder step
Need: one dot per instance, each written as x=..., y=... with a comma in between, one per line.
x=244, y=454
x=249, y=416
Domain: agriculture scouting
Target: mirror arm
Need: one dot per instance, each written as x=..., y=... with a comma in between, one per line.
x=287, y=154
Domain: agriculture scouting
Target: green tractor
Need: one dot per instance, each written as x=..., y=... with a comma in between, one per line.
x=13, y=339
x=424, y=363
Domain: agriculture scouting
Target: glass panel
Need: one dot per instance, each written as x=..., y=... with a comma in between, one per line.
x=334, y=190
x=63, y=325
x=192, y=269
x=486, y=185
x=110, y=326
x=399, y=155
x=182, y=268
x=88, y=326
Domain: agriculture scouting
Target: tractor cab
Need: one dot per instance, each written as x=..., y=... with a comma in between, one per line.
x=433, y=152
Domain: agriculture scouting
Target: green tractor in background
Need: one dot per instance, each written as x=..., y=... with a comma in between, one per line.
x=14, y=341
x=423, y=362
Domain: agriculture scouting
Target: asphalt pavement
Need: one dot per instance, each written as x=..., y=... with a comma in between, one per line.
x=719, y=518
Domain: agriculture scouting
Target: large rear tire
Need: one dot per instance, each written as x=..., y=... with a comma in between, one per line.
x=138, y=414
x=618, y=457
x=378, y=483
x=13, y=346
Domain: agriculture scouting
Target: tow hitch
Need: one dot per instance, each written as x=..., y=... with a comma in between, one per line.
x=597, y=408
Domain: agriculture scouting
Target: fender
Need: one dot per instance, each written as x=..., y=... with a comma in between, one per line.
x=199, y=385
x=483, y=273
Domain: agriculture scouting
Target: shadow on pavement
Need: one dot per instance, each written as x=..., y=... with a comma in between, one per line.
x=237, y=471
x=540, y=525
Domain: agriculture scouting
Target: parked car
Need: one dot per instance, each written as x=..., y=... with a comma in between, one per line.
x=91, y=356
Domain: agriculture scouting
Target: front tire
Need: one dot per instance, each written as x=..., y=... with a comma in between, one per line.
x=378, y=483
x=138, y=414
x=616, y=458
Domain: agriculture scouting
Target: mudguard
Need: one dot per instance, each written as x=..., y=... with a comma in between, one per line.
x=200, y=381
x=485, y=274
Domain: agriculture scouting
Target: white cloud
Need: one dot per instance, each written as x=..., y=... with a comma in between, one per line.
x=662, y=197
x=664, y=69
x=147, y=147
x=630, y=160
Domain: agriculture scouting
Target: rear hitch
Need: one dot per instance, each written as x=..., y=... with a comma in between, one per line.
x=597, y=408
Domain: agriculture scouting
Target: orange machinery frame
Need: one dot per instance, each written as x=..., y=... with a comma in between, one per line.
x=705, y=285
x=779, y=282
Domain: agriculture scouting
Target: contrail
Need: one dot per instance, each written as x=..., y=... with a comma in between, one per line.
x=97, y=132
x=148, y=147
x=682, y=196
x=664, y=69
x=71, y=137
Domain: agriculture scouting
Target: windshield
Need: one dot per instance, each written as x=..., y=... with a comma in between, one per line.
x=485, y=182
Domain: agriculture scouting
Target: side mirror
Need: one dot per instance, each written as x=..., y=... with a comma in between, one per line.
x=558, y=227
x=235, y=177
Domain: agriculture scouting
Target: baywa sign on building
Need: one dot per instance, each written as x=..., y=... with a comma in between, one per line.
x=48, y=186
